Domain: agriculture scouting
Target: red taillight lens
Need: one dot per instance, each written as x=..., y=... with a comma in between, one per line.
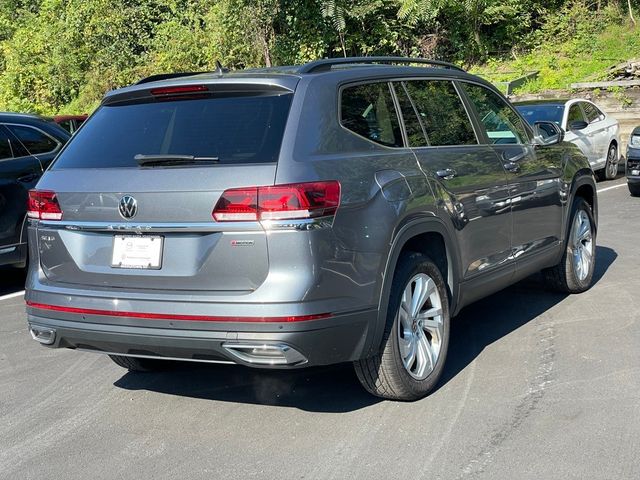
x=280, y=202
x=43, y=205
x=237, y=205
x=179, y=90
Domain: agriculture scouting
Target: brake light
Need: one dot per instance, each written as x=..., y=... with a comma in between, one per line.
x=43, y=205
x=179, y=90
x=279, y=202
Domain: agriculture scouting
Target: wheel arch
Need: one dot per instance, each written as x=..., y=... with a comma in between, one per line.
x=428, y=236
x=583, y=186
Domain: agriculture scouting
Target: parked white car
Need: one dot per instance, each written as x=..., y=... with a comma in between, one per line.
x=593, y=131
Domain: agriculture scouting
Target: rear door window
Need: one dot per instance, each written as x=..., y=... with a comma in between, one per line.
x=412, y=123
x=592, y=112
x=502, y=123
x=575, y=114
x=441, y=112
x=5, y=145
x=35, y=141
x=368, y=110
x=235, y=129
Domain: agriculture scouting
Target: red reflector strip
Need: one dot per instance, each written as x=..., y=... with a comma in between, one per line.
x=168, y=316
x=179, y=89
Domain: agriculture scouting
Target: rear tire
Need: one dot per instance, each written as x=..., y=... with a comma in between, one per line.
x=416, y=337
x=634, y=189
x=135, y=364
x=610, y=170
x=574, y=273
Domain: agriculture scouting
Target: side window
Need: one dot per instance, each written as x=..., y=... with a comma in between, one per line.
x=412, y=123
x=368, y=111
x=33, y=140
x=5, y=145
x=575, y=114
x=67, y=125
x=592, y=112
x=502, y=123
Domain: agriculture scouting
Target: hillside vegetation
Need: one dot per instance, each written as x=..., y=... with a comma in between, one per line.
x=62, y=55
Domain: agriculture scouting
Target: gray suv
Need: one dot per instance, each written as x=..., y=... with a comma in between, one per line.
x=339, y=211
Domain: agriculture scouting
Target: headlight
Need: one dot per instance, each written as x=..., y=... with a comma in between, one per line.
x=634, y=142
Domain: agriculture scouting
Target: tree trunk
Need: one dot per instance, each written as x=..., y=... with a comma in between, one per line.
x=633, y=20
x=344, y=48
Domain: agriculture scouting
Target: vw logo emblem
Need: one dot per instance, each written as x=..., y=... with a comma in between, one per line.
x=128, y=206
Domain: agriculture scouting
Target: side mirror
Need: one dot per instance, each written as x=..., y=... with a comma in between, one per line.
x=547, y=133
x=578, y=125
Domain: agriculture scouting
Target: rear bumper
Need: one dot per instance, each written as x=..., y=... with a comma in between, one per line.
x=313, y=342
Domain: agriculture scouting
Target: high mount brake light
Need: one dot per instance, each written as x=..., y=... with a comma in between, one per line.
x=43, y=205
x=279, y=202
x=179, y=90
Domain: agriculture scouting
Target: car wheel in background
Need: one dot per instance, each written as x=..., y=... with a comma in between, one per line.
x=634, y=189
x=416, y=336
x=574, y=273
x=611, y=167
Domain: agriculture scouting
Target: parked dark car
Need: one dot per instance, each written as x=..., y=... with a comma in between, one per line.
x=633, y=162
x=339, y=211
x=70, y=123
x=28, y=144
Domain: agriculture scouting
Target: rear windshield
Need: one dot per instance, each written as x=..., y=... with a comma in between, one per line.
x=541, y=113
x=233, y=129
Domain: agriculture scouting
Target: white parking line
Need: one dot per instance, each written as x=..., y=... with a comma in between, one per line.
x=611, y=188
x=12, y=295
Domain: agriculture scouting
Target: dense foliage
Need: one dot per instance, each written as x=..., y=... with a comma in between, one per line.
x=62, y=55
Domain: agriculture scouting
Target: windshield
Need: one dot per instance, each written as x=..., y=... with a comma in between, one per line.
x=232, y=129
x=542, y=113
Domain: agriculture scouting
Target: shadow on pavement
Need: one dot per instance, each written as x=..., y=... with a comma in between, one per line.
x=336, y=389
x=488, y=320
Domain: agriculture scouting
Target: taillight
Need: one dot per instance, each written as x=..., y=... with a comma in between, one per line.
x=279, y=202
x=181, y=89
x=43, y=205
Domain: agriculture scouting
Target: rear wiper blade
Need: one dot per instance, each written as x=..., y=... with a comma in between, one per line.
x=172, y=160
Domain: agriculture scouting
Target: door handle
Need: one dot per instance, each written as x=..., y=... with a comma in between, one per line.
x=446, y=174
x=512, y=167
x=30, y=177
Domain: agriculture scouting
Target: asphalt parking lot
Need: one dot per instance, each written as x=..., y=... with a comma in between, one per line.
x=538, y=385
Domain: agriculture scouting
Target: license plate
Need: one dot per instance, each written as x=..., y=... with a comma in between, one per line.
x=135, y=251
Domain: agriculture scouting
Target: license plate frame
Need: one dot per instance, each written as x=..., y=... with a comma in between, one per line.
x=140, y=253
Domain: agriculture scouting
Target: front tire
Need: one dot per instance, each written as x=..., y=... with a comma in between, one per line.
x=416, y=337
x=574, y=273
x=634, y=189
x=135, y=364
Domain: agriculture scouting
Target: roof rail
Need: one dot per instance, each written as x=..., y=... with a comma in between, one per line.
x=327, y=63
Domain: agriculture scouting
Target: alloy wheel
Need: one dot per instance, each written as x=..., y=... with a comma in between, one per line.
x=582, y=245
x=420, y=326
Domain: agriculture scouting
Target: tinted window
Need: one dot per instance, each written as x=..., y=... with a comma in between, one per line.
x=503, y=125
x=235, y=129
x=542, y=113
x=575, y=114
x=592, y=112
x=33, y=140
x=412, y=123
x=368, y=111
x=442, y=113
x=5, y=146
x=67, y=125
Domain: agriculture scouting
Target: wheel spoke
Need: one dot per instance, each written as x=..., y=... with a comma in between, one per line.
x=425, y=357
x=423, y=288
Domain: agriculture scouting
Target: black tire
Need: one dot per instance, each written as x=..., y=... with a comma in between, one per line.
x=564, y=277
x=135, y=364
x=610, y=170
x=384, y=374
x=634, y=189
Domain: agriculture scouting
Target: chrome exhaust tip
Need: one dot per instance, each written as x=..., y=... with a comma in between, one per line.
x=265, y=354
x=44, y=335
